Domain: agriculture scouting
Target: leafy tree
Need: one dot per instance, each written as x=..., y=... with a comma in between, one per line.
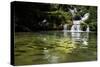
x=30, y=16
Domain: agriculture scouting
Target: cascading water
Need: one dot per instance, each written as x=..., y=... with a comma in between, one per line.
x=65, y=27
x=76, y=26
x=78, y=20
x=65, y=30
x=85, y=17
x=88, y=29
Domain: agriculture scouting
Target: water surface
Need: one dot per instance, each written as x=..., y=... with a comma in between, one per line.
x=54, y=47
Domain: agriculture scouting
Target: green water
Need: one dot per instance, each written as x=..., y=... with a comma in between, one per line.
x=54, y=47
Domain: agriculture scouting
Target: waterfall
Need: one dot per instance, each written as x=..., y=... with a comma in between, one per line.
x=76, y=26
x=77, y=20
x=85, y=17
x=65, y=27
x=44, y=21
x=88, y=29
x=73, y=11
x=65, y=30
x=73, y=28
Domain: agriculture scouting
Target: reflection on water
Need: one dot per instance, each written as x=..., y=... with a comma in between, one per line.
x=76, y=36
x=80, y=37
x=54, y=47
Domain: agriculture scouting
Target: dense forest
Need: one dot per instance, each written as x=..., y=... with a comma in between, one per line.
x=45, y=16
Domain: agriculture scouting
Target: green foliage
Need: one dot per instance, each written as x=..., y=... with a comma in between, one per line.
x=29, y=16
x=59, y=15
